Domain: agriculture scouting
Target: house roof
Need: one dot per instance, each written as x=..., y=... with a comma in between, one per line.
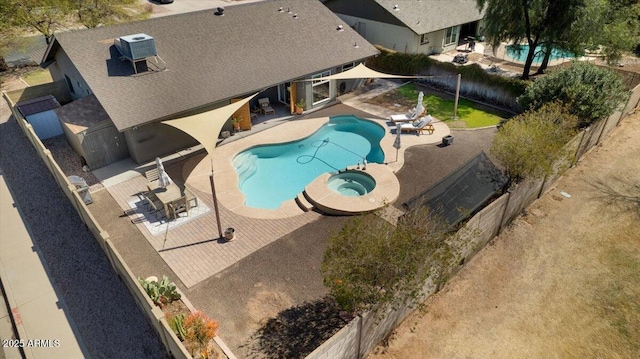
x=210, y=58
x=82, y=114
x=421, y=16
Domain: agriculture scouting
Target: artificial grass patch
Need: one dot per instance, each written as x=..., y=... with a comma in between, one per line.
x=443, y=109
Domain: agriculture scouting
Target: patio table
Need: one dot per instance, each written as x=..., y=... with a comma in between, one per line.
x=166, y=195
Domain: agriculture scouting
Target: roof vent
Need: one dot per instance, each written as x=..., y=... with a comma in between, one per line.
x=280, y=9
x=355, y=46
x=136, y=47
x=219, y=11
x=295, y=16
x=340, y=28
x=396, y=7
x=288, y=10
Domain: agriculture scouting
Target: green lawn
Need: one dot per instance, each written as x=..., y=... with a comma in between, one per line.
x=37, y=77
x=443, y=109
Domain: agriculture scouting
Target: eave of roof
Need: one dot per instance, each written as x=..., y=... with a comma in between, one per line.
x=210, y=58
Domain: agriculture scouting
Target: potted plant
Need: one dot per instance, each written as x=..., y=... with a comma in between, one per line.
x=300, y=106
x=236, y=123
x=230, y=234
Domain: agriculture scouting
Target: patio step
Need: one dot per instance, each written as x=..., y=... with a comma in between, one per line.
x=303, y=203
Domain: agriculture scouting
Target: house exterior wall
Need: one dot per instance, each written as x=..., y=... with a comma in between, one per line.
x=63, y=66
x=393, y=37
x=155, y=140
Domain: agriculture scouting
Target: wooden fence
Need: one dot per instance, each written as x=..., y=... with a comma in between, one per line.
x=172, y=344
x=360, y=336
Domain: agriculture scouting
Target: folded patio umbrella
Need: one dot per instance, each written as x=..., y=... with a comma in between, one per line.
x=163, y=178
x=419, y=106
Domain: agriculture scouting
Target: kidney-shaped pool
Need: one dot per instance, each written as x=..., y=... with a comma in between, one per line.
x=272, y=174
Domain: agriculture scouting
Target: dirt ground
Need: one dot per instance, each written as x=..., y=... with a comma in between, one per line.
x=562, y=282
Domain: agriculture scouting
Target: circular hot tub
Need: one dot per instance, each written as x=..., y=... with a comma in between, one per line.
x=351, y=183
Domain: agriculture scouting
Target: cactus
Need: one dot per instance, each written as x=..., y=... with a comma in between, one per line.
x=160, y=293
x=177, y=324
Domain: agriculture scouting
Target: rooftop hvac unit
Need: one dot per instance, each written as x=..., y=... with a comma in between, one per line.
x=136, y=47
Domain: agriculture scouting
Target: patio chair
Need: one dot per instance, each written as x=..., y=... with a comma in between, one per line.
x=425, y=124
x=178, y=206
x=265, y=106
x=154, y=206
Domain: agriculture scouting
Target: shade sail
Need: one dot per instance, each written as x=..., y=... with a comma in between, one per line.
x=205, y=127
x=363, y=72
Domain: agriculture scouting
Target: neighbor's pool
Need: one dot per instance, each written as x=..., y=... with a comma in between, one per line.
x=519, y=53
x=272, y=174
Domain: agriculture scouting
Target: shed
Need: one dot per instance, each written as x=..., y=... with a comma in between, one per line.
x=39, y=113
x=91, y=133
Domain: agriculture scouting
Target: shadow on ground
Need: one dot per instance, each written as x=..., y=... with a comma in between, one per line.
x=298, y=331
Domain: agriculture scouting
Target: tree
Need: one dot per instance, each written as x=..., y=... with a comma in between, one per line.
x=369, y=262
x=536, y=21
x=93, y=13
x=528, y=145
x=43, y=16
x=590, y=92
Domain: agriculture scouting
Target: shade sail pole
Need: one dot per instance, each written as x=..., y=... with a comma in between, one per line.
x=455, y=107
x=215, y=201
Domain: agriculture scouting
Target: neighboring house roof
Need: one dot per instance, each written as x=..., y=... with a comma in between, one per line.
x=210, y=58
x=421, y=16
x=37, y=105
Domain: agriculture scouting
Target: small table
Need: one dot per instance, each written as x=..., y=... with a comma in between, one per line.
x=165, y=195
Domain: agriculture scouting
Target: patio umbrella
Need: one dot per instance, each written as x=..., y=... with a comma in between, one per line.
x=396, y=143
x=419, y=106
x=163, y=178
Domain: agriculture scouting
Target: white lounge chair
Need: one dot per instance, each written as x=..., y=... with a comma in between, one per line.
x=408, y=117
x=425, y=124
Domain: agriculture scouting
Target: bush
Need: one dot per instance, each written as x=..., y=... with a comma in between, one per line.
x=529, y=144
x=413, y=64
x=199, y=331
x=370, y=262
x=590, y=92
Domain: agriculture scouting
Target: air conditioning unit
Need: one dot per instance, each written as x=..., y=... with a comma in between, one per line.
x=136, y=47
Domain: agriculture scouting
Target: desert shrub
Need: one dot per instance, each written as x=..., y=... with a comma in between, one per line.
x=590, y=92
x=529, y=144
x=199, y=331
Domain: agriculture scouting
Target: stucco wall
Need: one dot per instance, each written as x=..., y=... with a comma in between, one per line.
x=63, y=66
x=153, y=140
x=390, y=36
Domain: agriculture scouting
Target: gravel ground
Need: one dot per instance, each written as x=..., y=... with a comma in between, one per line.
x=70, y=162
x=106, y=315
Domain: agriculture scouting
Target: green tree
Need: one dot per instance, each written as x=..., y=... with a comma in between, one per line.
x=370, y=262
x=538, y=22
x=528, y=145
x=43, y=16
x=590, y=92
x=93, y=13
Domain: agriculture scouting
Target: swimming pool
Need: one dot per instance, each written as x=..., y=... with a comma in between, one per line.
x=519, y=53
x=271, y=174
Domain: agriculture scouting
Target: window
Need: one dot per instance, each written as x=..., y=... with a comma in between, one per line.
x=424, y=39
x=321, y=90
x=450, y=36
x=348, y=66
x=69, y=84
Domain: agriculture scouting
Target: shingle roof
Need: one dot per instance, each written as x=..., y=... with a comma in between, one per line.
x=421, y=16
x=210, y=58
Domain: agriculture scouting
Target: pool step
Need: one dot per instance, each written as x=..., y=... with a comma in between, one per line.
x=303, y=203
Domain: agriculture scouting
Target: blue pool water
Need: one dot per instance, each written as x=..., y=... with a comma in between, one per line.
x=272, y=174
x=521, y=56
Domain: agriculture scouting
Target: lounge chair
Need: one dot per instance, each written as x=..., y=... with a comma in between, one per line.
x=408, y=117
x=425, y=124
x=265, y=106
